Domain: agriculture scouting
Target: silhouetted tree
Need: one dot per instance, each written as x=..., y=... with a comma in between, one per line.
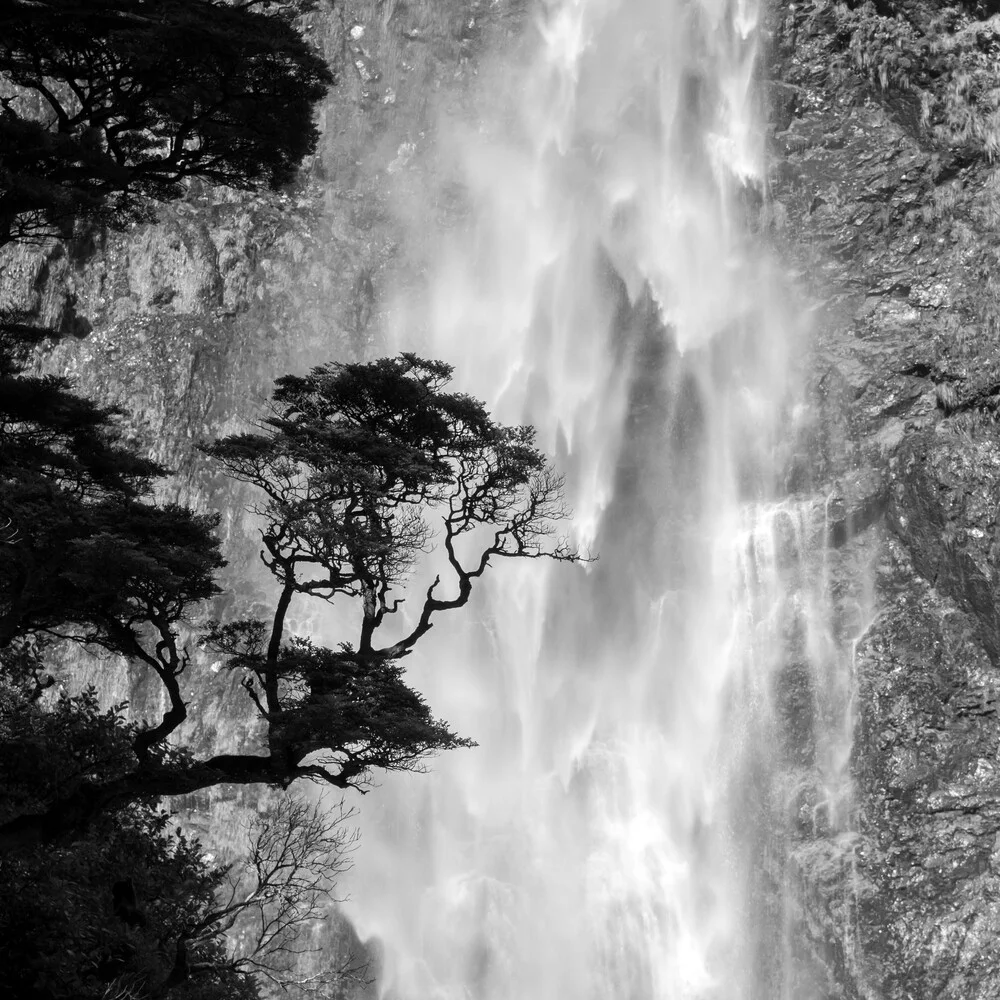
x=85, y=554
x=277, y=896
x=356, y=463
x=129, y=904
x=109, y=103
x=360, y=468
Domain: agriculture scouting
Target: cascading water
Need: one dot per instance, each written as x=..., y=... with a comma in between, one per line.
x=614, y=834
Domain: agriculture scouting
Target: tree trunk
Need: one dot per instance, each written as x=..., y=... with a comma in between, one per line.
x=71, y=816
x=274, y=648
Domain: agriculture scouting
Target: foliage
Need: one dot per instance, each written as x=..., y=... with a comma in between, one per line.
x=109, y=103
x=107, y=913
x=965, y=107
x=53, y=745
x=48, y=751
x=360, y=467
x=352, y=464
x=354, y=458
x=73, y=496
x=885, y=49
x=84, y=553
x=347, y=713
x=131, y=904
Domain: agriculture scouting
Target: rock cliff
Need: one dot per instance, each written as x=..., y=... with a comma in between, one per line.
x=883, y=201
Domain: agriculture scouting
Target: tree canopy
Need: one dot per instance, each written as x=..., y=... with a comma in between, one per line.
x=359, y=468
x=130, y=906
x=85, y=552
x=109, y=103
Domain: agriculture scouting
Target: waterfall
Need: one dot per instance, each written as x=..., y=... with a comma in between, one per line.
x=618, y=831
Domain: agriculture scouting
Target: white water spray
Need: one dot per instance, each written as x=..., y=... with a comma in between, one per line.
x=610, y=836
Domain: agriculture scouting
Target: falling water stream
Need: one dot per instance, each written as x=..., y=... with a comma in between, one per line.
x=616, y=833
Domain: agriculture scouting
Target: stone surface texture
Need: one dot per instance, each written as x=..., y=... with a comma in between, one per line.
x=883, y=200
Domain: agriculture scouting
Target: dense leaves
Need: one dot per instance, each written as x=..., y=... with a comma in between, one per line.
x=135, y=909
x=130, y=903
x=109, y=907
x=105, y=913
x=112, y=102
x=83, y=550
x=49, y=750
x=347, y=713
x=361, y=467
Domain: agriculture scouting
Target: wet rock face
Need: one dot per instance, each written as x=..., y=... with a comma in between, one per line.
x=903, y=902
x=946, y=490
x=885, y=206
x=928, y=796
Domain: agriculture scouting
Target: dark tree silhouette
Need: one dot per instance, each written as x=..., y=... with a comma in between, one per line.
x=130, y=903
x=356, y=463
x=109, y=103
x=360, y=468
x=85, y=554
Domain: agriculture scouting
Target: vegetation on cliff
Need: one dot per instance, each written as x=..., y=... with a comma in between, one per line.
x=354, y=466
x=935, y=64
x=108, y=106
x=354, y=459
x=137, y=909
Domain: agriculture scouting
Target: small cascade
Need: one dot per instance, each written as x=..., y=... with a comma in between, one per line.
x=653, y=725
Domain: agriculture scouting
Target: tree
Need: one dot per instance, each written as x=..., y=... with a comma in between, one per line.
x=353, y=461
x=49, y=750
x=135, y=909
x=130, y=904
x=109, y=103
x=104, y=912
x=101, y=917
x=278, y=894
x=86, y=554
x=360, y=467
